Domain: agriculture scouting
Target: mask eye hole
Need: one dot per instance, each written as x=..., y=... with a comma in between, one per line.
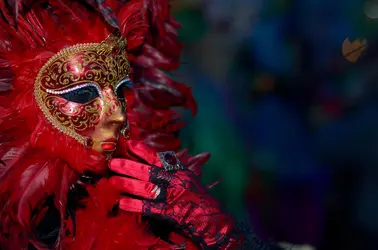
x=121, y=87
x=81, y=95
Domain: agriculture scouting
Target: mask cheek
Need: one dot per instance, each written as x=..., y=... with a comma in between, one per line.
x=81, y=118
x=69, y=109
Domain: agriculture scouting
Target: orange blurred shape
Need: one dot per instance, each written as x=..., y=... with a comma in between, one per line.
x=353, y=50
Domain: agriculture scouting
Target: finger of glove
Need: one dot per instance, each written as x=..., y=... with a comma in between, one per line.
x=130, y=168
x=144, y=152
x=131, y=205
x=135, y=187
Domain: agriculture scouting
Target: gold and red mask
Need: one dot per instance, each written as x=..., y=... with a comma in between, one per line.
x=80, y=91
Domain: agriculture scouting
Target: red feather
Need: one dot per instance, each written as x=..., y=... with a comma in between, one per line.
x=35, y=184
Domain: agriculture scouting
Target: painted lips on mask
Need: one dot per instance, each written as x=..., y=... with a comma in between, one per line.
x=109, y=145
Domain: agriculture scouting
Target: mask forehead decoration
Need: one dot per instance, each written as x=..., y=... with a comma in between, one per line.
x=92, y=70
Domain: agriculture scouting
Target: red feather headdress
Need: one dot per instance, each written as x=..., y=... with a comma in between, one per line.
x=36, y=159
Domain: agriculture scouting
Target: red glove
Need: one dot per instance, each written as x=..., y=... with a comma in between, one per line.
x=175, y=196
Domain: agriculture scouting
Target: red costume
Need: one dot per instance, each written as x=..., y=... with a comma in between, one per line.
x=74, y=75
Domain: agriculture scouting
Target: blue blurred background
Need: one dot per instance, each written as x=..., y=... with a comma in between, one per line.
x=292, y=126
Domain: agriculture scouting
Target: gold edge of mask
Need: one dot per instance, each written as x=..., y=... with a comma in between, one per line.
x=64, y=53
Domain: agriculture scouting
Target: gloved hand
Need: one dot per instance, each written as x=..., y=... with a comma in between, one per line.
x=176, y=196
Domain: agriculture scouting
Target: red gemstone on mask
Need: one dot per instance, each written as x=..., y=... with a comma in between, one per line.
x=170, y=159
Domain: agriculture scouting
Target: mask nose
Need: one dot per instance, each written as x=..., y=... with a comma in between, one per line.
x=118, y=116
x=113, y=109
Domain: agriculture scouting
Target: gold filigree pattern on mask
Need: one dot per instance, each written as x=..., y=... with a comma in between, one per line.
x=103, y=64
x=77, y=118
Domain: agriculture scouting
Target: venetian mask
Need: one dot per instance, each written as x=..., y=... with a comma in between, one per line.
x=80, y=90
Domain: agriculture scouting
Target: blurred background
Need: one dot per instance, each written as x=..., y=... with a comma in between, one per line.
x=291, y=124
